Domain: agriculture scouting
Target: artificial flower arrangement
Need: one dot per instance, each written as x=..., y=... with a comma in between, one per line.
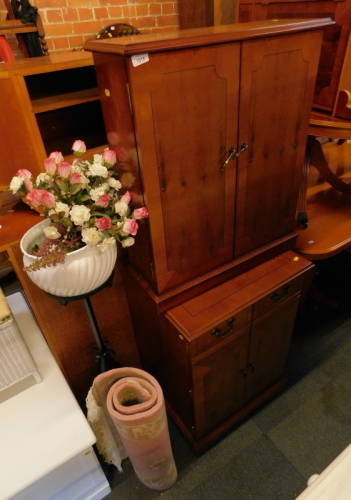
x=84, y=201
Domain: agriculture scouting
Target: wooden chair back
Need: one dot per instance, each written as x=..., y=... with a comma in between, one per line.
x=30, y=35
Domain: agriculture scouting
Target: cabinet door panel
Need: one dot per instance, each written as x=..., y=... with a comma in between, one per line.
x=335, y=38
x=219, y=384
x=185, y=106
x=270, y=340
x=275, y=102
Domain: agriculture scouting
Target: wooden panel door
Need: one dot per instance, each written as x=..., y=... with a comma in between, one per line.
x=185, y=107
x=277, y=81
x=335, y=38
x=269, y=345
x=219, y=383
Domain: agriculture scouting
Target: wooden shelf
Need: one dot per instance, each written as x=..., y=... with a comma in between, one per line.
x=16, y=27
x=48, y=102
x=45, y=64
x=64, y=100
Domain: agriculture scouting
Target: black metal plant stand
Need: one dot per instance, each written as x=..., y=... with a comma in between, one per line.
x=103, y=354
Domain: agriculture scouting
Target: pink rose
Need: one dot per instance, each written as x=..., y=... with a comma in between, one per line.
x=57, y=156
x=126, y=198
x=109, y=156
x=38, y=197
x=103, y=200
x=50, y=165
x=28, y=184
x=25, y=174
x=64, y=169
x=130, y=226
x=79, y=147
x=75, y=178
x=103, y=223
x=141, y=213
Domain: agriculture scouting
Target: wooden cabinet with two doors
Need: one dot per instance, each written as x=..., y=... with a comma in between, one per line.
x=212, y=124
x=178, y=116
x=225, y=350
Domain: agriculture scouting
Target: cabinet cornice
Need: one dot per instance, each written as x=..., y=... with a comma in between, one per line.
x=156, y=42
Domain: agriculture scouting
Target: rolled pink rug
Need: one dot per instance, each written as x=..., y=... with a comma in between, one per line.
x=135, y=404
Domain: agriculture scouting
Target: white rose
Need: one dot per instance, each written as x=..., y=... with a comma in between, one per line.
x=52, y=233
x=121, y=208
x=60, y=207
x=79, y=214
x=114, y=183
x=84, y=180
x=99, y=191
x=78, y=167
x=16, y=184
x=96, y=169
x=107, y=243
x=128, y=242
x=91, y=236
x=98, y=159
x=43, y=177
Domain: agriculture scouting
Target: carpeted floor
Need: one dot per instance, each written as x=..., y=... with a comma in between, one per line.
x=273, y=452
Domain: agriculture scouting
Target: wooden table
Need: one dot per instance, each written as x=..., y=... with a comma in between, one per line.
x=328, y=209
x=323, y=125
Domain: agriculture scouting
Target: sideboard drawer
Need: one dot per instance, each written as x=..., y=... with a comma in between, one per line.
x=279, y=295
x=222, y=331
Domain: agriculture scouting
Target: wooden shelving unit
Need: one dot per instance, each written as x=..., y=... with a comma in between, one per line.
x=48, y=103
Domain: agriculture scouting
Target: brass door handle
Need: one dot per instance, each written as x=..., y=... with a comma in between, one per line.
x=233, y=154
x=243, y=147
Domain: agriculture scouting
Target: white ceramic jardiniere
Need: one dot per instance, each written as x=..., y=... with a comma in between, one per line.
x=83, y=271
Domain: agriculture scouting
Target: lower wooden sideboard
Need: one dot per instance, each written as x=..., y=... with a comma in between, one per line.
x=223, y=353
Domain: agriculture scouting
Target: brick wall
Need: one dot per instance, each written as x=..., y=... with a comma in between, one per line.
x=68, y=23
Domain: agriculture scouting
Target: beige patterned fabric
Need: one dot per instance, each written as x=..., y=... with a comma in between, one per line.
x=134, y=419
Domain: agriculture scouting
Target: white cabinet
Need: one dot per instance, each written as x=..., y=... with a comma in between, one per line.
x=46, y=442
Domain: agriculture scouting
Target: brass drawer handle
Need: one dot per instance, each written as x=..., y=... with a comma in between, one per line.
x=218, y=332
x=276, y=296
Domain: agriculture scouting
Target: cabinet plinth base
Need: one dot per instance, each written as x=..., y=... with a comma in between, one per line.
x=203, y=443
